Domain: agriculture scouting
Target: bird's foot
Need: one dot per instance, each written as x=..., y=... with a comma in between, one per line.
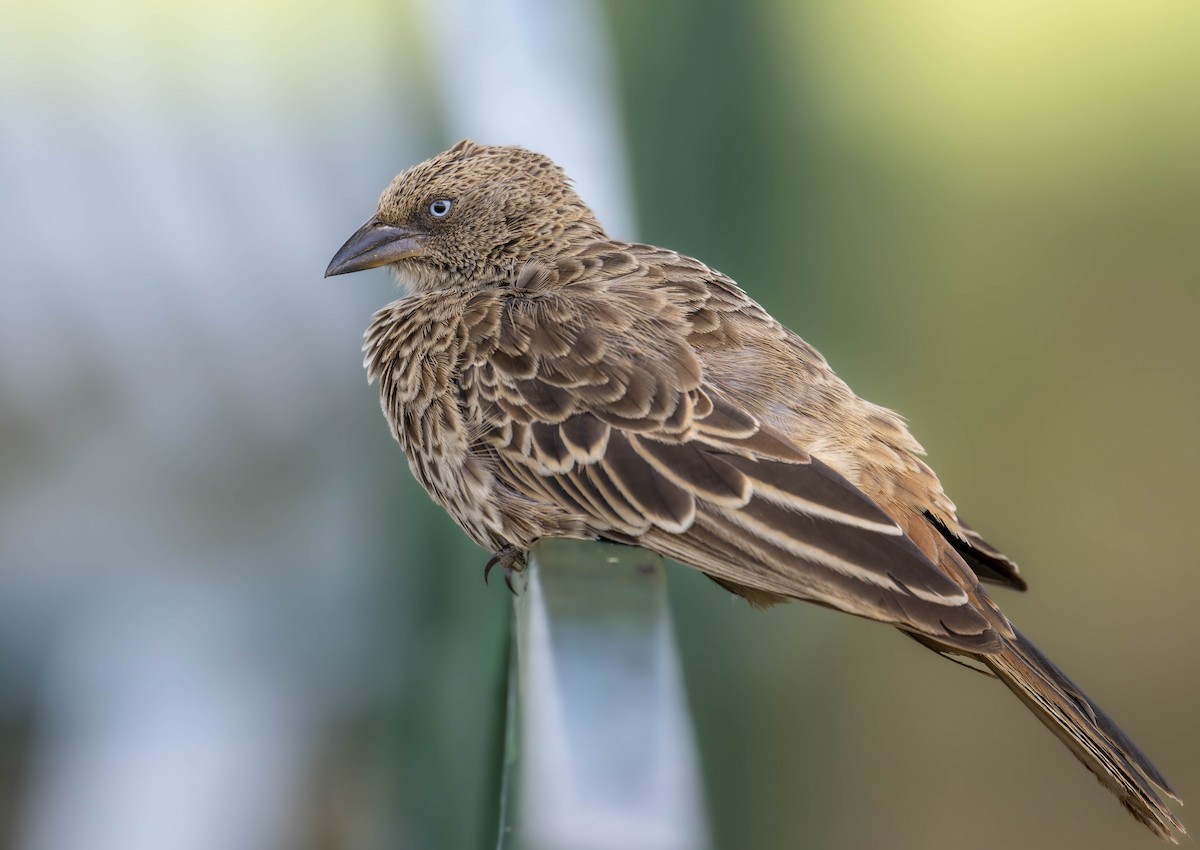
x=511, y=559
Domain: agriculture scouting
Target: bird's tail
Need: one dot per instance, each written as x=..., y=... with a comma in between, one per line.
x=1090, y=733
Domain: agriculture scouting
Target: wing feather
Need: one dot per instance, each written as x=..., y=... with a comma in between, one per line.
x=823, y=493
x=633, y=521
x=585, y=436
x=624, y=429
x=707, y=474
x=660, y=500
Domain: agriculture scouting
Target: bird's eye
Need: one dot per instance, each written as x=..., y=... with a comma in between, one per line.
x=440, y=208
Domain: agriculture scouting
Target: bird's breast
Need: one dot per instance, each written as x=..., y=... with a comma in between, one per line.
x=416, y=356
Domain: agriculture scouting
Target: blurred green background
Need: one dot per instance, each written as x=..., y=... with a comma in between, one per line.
x=984, y=214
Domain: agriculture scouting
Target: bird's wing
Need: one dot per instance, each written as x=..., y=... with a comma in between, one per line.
x=592, y=398
x=986, y=561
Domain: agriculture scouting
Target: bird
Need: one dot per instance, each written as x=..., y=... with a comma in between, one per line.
x=546, y=380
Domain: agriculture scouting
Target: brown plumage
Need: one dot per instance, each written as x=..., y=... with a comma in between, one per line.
x=548, y=381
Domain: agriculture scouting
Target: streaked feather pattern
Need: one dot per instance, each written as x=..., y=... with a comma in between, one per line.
x=553, y=382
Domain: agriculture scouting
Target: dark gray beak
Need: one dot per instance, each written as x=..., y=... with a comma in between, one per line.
x=372, y=245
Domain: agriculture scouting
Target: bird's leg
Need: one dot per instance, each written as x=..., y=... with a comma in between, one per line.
x=510, y=558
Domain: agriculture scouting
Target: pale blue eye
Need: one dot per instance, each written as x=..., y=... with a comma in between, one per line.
x=440, y=208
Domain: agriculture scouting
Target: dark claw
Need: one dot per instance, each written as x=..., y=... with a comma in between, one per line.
x=492, y=561
x=506, y=557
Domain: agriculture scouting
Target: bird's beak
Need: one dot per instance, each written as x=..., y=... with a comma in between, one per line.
x=372, y=245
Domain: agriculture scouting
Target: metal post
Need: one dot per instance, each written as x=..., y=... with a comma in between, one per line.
x=601, y=741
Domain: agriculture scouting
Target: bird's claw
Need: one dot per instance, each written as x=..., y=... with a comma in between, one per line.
x=508, y=557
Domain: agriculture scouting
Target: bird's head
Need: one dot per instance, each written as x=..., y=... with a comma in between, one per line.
x=471, y=216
